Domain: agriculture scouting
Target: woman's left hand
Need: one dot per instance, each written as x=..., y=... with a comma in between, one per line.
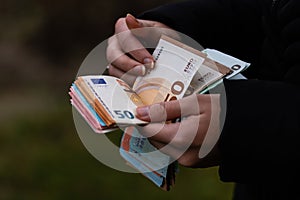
x=192, y=141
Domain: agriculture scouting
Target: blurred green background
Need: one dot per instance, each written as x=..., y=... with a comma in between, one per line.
x=42, y=44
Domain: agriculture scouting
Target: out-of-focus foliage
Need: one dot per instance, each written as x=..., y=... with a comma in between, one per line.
x=42, y=44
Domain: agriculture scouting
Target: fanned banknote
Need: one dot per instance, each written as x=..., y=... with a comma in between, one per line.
x=175, y=67
x=107, y=102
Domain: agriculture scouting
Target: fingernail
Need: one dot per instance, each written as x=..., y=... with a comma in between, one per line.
x=143, y=111
x=149, y=63
x=141, y=69
x=132, y=17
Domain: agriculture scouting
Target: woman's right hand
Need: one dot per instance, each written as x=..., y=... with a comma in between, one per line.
x=125, y=52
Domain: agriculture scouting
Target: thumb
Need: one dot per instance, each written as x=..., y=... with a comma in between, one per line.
x=149, y=31
x=136, y=27
x=132, y=22
x=170, y=110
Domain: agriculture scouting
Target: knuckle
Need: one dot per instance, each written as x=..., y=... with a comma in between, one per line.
x=112, y=70
x=119, y=23
x=197, y=142
x=158, y=112
x=162, y=106
x=112, y=58
x=179, y=141
x=113, y=51
x=165, y=109
x=201, y=98
x=111, y=40
x=186, y=161
x=109, y=54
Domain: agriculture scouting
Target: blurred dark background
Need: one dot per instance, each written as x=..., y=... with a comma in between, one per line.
x=42, y=45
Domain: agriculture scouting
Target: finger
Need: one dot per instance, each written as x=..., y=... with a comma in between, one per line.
x=140, y=29
x=132, y=22
x=129, y=65
x=116, y=57
x=207, y=135
x=190, y=131
x=130, y=44
x=214, y=129
x=187, y=158
x=169, y=150
x=191, y=105
x=128, y=78
x=149, y=31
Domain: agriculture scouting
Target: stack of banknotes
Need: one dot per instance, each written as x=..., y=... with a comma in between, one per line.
x=107, y=103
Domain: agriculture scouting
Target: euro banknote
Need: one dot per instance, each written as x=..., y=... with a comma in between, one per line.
x=175, y=67
x=107, y=102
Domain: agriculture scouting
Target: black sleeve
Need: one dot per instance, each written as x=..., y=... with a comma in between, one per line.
x=261, y=134
x=260, y=137
x=231, y=26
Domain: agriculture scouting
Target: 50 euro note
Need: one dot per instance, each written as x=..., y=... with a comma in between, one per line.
x=111, y=100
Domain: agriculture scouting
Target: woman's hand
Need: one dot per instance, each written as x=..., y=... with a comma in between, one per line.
x=125, y=52
x=192, y=141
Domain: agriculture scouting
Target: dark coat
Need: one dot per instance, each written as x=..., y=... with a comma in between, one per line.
x=260, y=139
